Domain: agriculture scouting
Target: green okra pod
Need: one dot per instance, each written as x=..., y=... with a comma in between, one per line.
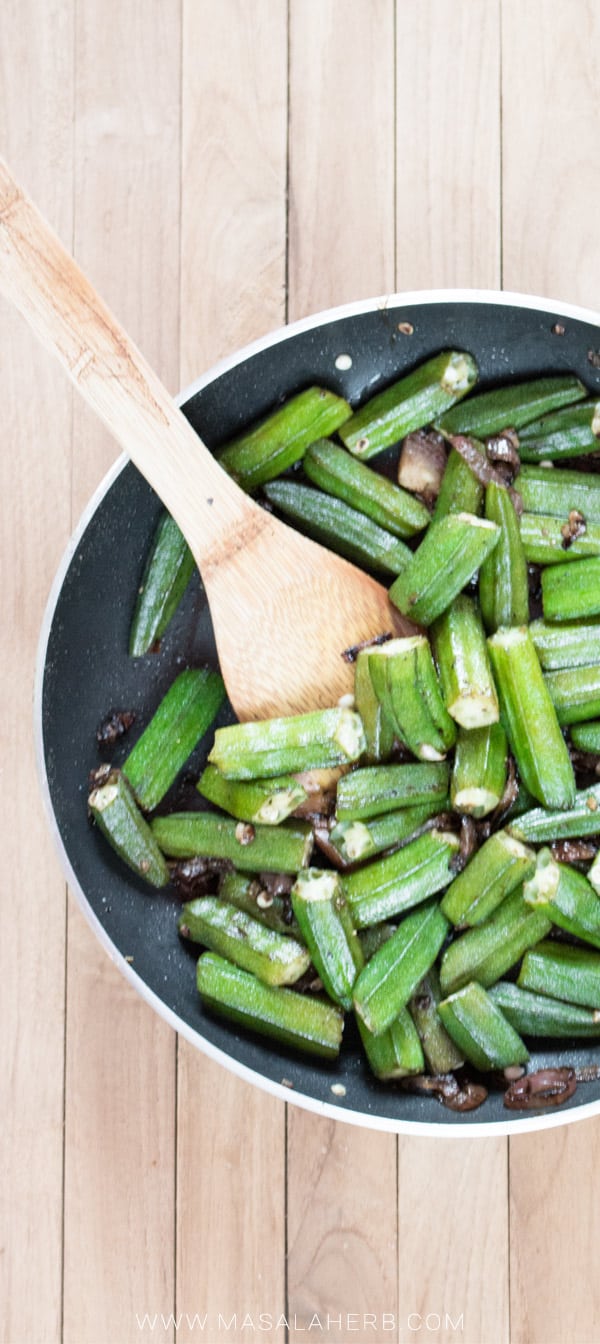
x=571, y=591
x=463, y=663
x=398, y=881
x=460, y=491
x=567, y=433
x=248, y=893
x=368, y=792
x=569, y=644
x=326, y=926
x=488, y=951
x=356, y=841
x=184, y=715
x=556, y=491
x=530, y=718
x=275, y=958
x=304, y=1023
x=556, y=541
x=562, y=972
x=378, y=728
x=405, y=681
x=566, y=897
x=511, y=406
x=451, y=552
x=503, y=582
x=338, y=473
x=117, y=815
x=501, y=864
x=391, y=976
x=480, y=1030
x=291, y=745
x=541, y=824
x=275, y=443
x=266, y=801
x=252, y=849
x=537, y=1015
x=396, y=1052
x=586, y=736
x=339, y=527
x=480, y=769
x=575, y=693
x=594, y=874
x=409, y=403
x=441, y=1053
x=167, y=572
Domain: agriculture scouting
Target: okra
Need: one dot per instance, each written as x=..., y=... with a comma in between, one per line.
x=575, y=693
x=451, y=552
x=335, y=471
x=594, y=874
x=248, y=894
x=368, y=792
x=586, y=737
x=270, y=447
x=288, y=746
x=409, y=403
x=267, y=801
x=378, y=728
x=572, y=590
x=480, y=1030
x=326, y=926
x=536, y=1015
x=373, y=938
x=503, y=582
x=405, y=681
x=557, y=491
x=463, y=664
x=183, y=717
x=252, y=849
x=566, y=897
x=296, y=1020
x=272, y=957
x=568, y=433
x=439, y=1049
x=562, y=972
x=460, y=491
x=541, y=824
x=479, y=770
x=513, y=406
x=569, y=644
x=117, y=815
x=398, y=881
x=501, y=864
x=359, y=840
x=391, y=976
x=396, y=1052
x=487, y=952
x=530, y=719
x=339, y=527
x=167, y=572
x=552, y=541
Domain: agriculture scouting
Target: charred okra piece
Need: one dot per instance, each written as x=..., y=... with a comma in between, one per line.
x=451, y=552
x=167, y=572
x=334, y=470
x=252, y=849
x=117, y=815
x=566, y=897
x=536, y=1015
x=307, y=1024
x=396, y=1052
x=326, y=926
x=422, y=463
x=273, y=445
x=568, y=433
x=395, y=883
x=501, y=864
x=463, y=664
x=385, y=788
x=288, y=746
x=273, y=957
x=181, y=720
x=441, y=1053
x=266, y=801
x=562, y=972
x=511, y=407
x=479, y=770
x=359, y=840
x=480, y=1030
x=503, y=583
x=378, y=728
x=410, y=403
x=556, y=541
x=557, y=492
x=339, y=527
x=405, y=681
x=390, y=978
x=248, y=894
x=575, y=693
x=540, y=825
x=571, y=591
x=586, y=737
x=487, y=952
x=569, y=644
x=460, y=491
x=530, y=719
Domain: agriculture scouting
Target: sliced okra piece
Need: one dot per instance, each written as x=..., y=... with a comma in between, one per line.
x=368, y=792
x=327, y=929
x=479, y=770
x=405, y=681
x=571, y=591
x=451, y=552
x=511, y=406
x=541, y=824
x=566, y=897
x=275, y=443
x=530, y=718
x=396, y=1052
x=480, y=1030
x=248, y=894
x=568, y=644
x=594, y=874
x=339, y=527
x=464, y=666
x=557, y=491
x=297, y=1020
x=398, y=881
x=586, y=736
x=117, y=815
x=536, y=1015
x=562, y=972
x=288, y=746
x=575, y=693
x=253, y=849
x=166, y=575
x=359, y=840
x=441, y=1053
x=409, y=403
x=378, y=728
x=501, y=864
x=267, y=801
x=567, y=433
x=556, y=541
x=460, y=491
x=337, y=472
x=503, y=581
x=183, y=716
x=391, y=976
x=275, y=958
x=487, y=952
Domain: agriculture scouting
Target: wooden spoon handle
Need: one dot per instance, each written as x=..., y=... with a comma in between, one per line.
x=69, y=317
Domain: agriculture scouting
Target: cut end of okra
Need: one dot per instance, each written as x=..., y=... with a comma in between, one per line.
x=317, y=884
x=480, y=1030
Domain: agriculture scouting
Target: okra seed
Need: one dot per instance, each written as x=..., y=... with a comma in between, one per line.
x=405, y=328
x=244, y=833
x=264, y=901
x=343, y=362
x=362, y=444
x=346, y=701
x=558, y=329
x=338, y=1089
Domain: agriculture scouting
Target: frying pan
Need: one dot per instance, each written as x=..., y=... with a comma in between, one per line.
x=83, y=669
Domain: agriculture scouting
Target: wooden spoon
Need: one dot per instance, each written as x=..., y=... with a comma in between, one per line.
x=283, y=608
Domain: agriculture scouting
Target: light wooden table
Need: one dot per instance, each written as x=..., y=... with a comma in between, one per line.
x=220, y=166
